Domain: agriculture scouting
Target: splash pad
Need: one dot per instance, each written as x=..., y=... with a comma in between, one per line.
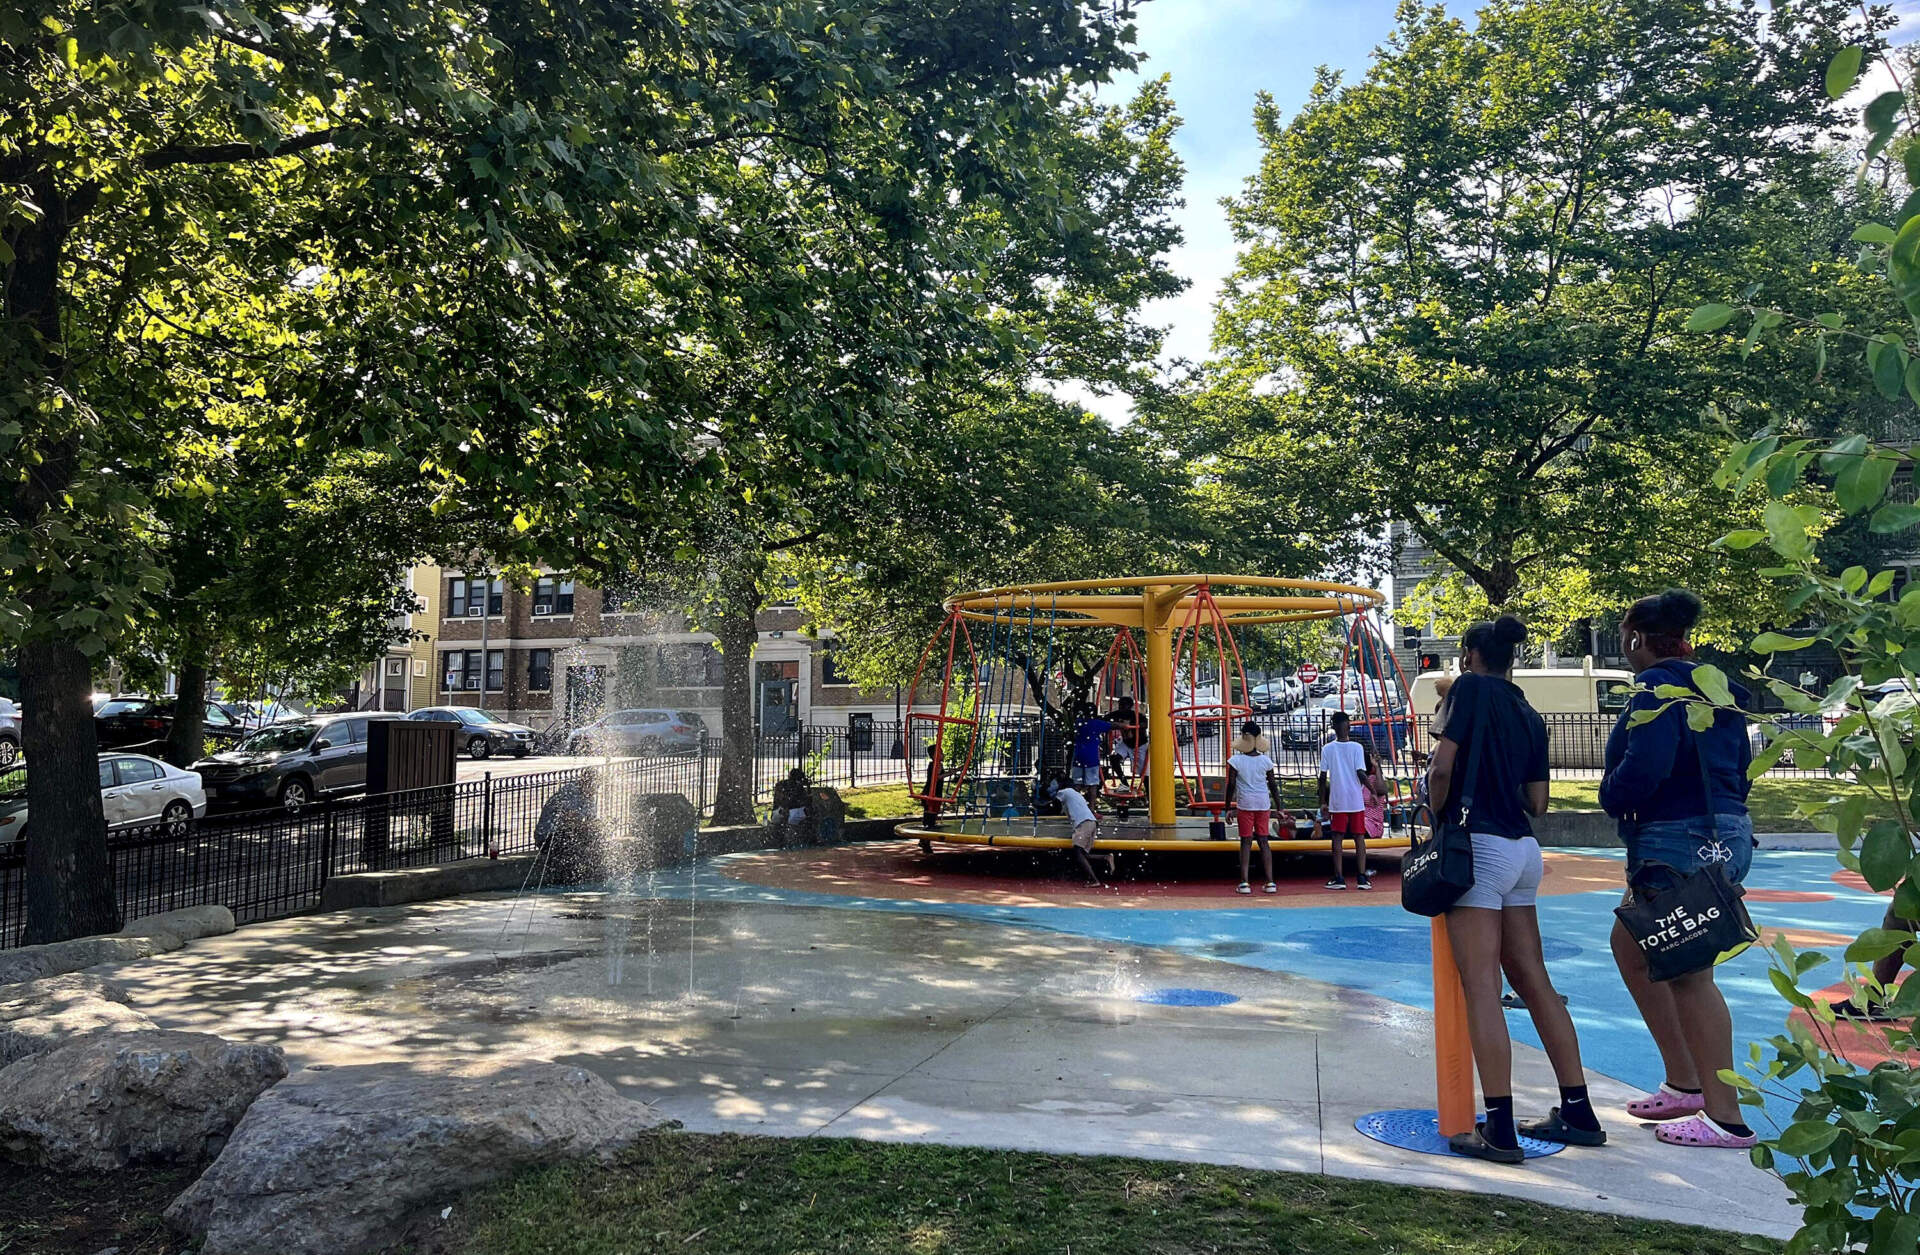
x=1163, y=672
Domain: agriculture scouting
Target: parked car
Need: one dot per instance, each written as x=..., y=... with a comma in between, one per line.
x=1384, y=726
x=135, y=792
x=479, y=733
x=639, y=731
x=120, y=722
x=291, y=764
x=9, y=733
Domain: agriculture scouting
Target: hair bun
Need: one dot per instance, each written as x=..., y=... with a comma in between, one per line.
x=1509, y=630
x=1679, y=609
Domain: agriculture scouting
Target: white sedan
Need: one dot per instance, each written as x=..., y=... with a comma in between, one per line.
x=135, y=791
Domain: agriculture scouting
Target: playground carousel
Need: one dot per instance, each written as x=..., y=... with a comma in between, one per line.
x=1148, y=672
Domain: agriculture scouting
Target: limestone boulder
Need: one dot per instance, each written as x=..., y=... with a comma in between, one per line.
x=171, y=930
x=40, y=1015
x=107, y=1100
x=56, y=958
x=340, y=1160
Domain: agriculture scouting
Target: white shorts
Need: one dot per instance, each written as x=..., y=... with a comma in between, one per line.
x=1506, y=872
x=1083, y=833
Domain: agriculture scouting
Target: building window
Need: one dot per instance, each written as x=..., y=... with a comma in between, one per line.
x=830, y=672
x=539, y=670
x=613, y=602
x=552, y=596
x=692, y=666
x=461, y=670
x=464, y=595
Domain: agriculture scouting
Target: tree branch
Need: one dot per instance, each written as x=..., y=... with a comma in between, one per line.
x=227, y=154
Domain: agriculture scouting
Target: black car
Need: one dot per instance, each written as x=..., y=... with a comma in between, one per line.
x=479, y=733
x=290, y=764
x=125, y=722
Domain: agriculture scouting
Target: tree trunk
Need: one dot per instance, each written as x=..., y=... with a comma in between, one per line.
x=69, y=880
x=69, y=891
x=738, y=630
x=187, y=739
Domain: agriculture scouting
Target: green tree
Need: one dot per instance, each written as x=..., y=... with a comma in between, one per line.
x=491, y=241
x=1463, y=279
x=1051, y=290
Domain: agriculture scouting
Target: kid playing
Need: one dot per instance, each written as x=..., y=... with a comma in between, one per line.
x=1343, y=796
x=1085, y=825
x=1253, y=794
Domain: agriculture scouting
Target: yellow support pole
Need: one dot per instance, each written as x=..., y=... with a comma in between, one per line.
x=1155, y=609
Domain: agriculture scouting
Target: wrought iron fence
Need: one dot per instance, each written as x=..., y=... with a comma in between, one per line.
x=269, y=864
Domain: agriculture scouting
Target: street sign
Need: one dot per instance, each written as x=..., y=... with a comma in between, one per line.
x=1307, y=673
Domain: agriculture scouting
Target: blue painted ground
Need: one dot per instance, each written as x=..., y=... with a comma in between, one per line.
x=1381, y=949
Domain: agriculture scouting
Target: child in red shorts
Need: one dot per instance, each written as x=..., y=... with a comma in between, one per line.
x=1253, y=792
x=1343, y=796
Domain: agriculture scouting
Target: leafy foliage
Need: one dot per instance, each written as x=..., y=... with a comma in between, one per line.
x=1464, y=279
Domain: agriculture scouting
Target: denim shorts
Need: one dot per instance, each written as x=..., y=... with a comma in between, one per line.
x=1687, y=845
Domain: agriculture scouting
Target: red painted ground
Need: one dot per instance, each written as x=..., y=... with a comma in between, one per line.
x=1854, y=880
x=1786, y=895
x=897, y=870
x=1864, y=1045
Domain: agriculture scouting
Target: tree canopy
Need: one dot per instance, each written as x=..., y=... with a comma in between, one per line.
x=1464, y=280
x=501, y=245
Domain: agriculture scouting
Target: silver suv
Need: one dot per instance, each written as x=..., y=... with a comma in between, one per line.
x=640, y=731
x=9, y=733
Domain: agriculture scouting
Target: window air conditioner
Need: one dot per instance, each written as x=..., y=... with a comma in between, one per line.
x=475, y=612
x=543, y=607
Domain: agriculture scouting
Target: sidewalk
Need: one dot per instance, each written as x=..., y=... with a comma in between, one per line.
x=786, y=1020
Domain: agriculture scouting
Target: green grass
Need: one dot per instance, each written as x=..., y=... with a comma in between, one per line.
x=1772, y=801
x=774, y=1196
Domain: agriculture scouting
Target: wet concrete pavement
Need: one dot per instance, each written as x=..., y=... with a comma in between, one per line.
x=802, y=1020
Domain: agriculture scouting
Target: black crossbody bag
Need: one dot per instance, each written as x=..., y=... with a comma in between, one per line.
x=1685, y=923
x=1438, y=869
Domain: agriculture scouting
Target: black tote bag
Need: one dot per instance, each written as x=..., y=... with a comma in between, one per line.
x=1438, y=869
x=1683, y=923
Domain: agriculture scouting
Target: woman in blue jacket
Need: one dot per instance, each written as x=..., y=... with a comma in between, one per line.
x=1681, y=799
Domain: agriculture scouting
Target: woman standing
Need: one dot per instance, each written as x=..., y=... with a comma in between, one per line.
x=1681, y=799
x=1490, y=772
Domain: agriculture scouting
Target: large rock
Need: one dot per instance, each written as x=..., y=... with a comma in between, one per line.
x=142, y=939
x=339, y=1160
x=146, y=1096
x=174, y=929
x=59, y=957
x=39, y=1015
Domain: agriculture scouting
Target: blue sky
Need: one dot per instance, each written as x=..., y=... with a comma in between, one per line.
x=1219, y=54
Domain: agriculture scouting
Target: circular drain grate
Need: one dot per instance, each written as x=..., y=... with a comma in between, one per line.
x=1419, y=1129
x=1186, y=997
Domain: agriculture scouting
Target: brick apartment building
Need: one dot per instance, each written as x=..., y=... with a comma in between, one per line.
x=564, y=652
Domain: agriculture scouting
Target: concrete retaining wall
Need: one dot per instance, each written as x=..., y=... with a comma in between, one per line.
x=492, y=875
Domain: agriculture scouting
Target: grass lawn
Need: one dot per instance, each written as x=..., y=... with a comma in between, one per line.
x=779, y=1196
x=1772, y=801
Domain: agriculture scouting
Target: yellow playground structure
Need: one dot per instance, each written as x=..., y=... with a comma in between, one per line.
x=1147, y=672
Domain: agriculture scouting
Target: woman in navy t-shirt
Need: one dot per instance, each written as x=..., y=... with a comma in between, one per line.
x=1490, y=772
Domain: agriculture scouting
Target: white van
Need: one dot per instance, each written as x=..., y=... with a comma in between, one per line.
x=1562, y=694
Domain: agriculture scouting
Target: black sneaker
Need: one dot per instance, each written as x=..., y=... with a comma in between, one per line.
x=1336, y=884
x=1365, y=882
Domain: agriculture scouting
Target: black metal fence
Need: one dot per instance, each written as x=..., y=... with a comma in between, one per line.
x=268, y=864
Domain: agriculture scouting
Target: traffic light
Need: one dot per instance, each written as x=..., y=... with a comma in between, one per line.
x=1429, y=662
x=1410, y=638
